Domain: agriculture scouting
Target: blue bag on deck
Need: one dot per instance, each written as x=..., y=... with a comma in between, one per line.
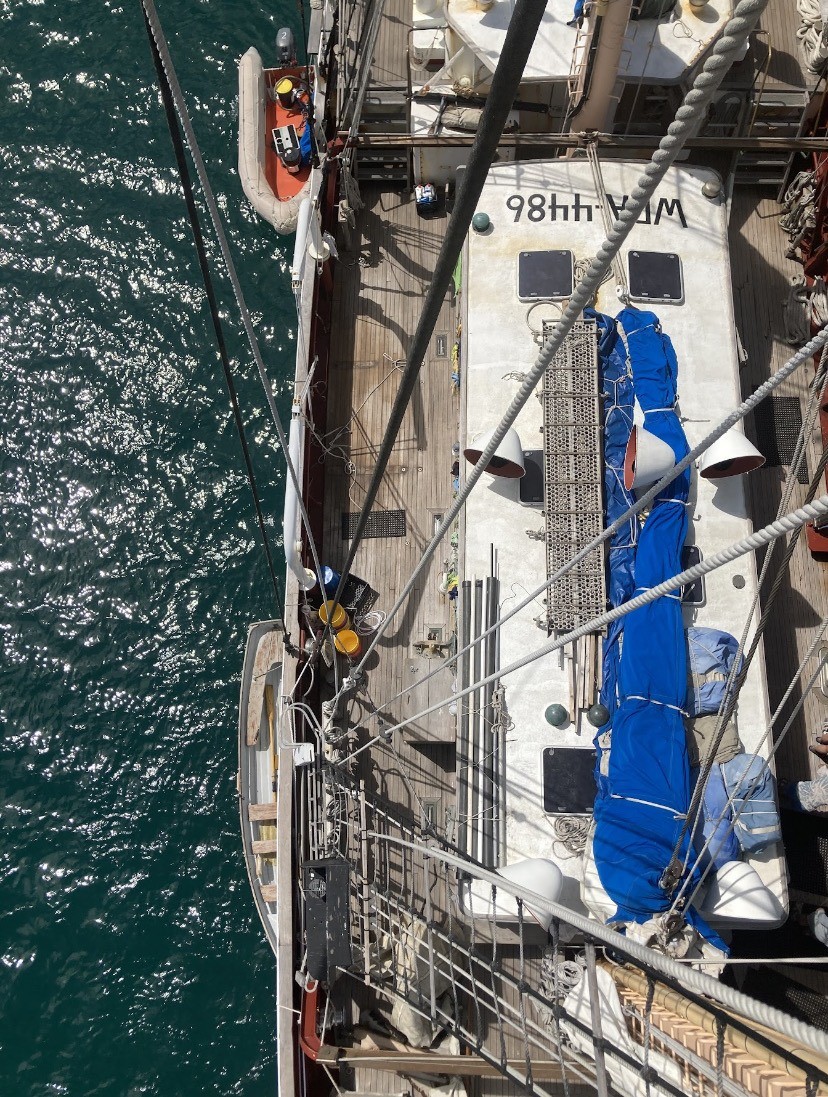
x=716, y=822
x=711, y=654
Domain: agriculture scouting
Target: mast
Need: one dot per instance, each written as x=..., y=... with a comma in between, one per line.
x=523, y=27
x=604, y=45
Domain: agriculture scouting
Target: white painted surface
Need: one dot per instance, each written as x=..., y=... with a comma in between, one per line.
x=663, y=50
x=658, y=50
x=497, y=340
x=439, y=165
x=485, y=33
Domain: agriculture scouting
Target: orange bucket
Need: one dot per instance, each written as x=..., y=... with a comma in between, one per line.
x=331, y=611
x=348, y=643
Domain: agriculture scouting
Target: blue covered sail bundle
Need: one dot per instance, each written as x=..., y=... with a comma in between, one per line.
x=644, y=796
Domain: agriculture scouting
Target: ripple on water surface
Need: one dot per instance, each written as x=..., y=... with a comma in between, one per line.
x=133, y=962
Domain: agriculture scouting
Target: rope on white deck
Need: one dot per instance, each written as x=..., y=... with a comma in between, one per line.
x=817, y=344
x=764, y=536
x=725, y=50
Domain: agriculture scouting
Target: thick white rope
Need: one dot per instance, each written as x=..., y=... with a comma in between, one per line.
x=818, y=343
x=756, y=540
x=695, y=981
x=726, y=48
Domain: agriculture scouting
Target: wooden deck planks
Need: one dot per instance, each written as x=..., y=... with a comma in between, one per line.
x=377, y=305
x=784, y=69
x=390, y=68
x=761, y=277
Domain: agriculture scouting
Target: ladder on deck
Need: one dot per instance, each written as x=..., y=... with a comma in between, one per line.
x=776, y=112
x=385, y=111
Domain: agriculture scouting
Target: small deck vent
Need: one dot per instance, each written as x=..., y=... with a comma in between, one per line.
x=381, y=523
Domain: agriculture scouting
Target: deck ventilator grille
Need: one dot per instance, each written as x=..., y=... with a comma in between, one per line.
x=778, y=421
x=381, y=523
x=573, y=476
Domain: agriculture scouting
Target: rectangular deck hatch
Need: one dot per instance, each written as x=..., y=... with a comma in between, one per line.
x=544, y=275
x=655, y=276
x=381, y=523
x=568, y=780
x=778, y=421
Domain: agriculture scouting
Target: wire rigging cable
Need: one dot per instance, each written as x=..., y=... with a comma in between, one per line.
x=819, y=342
x=204, y=264
x=728, y=46
x=183, y=114
x=740, y=667
x=756, y=540
x=744, y=790
x=695, y=981
x=520, y=36
x=736, y=679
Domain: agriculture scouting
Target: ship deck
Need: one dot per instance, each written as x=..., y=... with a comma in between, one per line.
x=381, y=279
x=380, y=282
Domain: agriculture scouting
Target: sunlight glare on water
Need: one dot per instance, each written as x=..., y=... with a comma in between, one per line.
x=133, y=962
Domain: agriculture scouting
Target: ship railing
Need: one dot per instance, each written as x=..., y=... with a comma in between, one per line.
x=549, y=1009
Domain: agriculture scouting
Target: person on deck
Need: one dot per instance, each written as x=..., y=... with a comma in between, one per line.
x=578, y=14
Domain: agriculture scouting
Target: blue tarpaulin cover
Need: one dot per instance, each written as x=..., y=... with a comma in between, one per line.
x=756, y=816
x=643, y=799
x=619, y=399
x=712, y=655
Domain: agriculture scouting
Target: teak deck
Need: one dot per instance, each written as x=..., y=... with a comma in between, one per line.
x=377, y=303
x=380, y=285
x=761, y=279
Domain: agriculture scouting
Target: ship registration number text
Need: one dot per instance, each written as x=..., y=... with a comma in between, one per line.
x=539, y=207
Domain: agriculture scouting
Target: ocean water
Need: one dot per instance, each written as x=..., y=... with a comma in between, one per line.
x=132, y=959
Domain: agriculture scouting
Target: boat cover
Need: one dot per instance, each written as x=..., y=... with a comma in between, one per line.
x=645, y=794
x=619, y=399
x=712, y=655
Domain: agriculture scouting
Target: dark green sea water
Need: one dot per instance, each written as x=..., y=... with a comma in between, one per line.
x=132, y=961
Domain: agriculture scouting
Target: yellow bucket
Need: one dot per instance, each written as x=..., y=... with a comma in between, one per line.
x=331, y=611
x=285, y=91
x=348, y=643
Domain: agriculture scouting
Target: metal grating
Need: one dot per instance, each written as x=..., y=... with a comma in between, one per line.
x=381, y=523
x=573, y=477
x=778, y=421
